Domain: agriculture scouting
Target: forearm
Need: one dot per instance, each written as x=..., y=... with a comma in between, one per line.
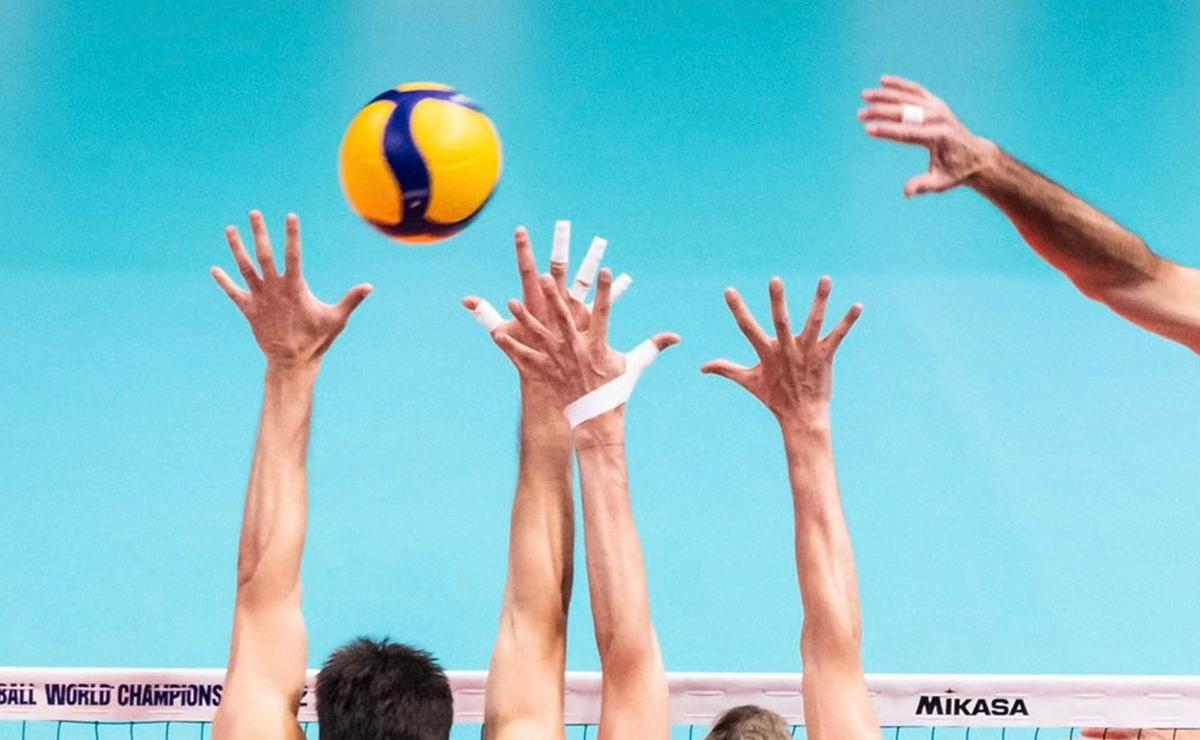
x=541, y=538
x=824, y=556
x=525, y=677
x=275, y=516
x=1092, y=249
x=616, y=569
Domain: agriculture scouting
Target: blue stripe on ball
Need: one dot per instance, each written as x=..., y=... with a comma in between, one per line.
x=405, y=159
x=407, y=163
x=421, y=227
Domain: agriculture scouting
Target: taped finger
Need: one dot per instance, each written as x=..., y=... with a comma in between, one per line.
x=619, y=286
x=487, y=316
x=881, y=112
x=560, y=253
x=910, y=113
x=588, y=269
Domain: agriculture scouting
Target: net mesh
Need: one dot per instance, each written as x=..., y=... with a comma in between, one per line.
x=183, y=730
x=107, y=704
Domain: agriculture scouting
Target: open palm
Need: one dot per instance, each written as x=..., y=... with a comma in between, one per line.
x=291, y=325
x=794, y=374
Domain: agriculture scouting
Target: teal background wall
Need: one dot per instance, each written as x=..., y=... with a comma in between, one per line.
x=1019, y=467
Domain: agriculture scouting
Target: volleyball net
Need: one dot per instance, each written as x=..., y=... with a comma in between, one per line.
x=68, y=703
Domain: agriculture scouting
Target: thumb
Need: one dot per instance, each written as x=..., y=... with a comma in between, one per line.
x=354, y=297
x=725, y=369
x=927, y=182
x=664, y=340
x=484, y=312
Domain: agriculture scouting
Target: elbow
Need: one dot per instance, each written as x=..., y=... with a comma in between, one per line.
x=623, y=657
x=1105, y=283
x=245, y=576
x=255, y=590
x=1106, y=288
x=540, y=632
x=831, y=639
x=536, y=612
x=1160, y=301
x=249, y=556
x=1097, y=291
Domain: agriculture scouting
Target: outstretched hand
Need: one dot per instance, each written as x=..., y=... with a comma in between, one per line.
x=293, y=328
x=901, y=110
x=573, y=360
x=794, y=375
x=532, y=297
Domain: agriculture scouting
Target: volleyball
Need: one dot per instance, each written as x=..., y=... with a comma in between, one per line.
x=419, y=162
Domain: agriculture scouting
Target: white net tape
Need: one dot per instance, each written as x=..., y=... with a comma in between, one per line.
x=128, y=697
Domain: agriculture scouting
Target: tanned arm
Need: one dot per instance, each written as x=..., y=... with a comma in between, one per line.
x=794, y=380
x=577, y=361
x=634, y=690
x=526, y=679
x=1105, y=261
x=269, y=644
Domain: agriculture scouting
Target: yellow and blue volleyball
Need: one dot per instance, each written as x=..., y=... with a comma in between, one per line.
x=419, y=162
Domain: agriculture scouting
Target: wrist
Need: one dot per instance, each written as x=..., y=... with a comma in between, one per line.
x=537, y=395
x=541, y=406
x=989, y=163
x=287, y=398
x=290, y=374
x=543, y=425
x=809, y=419
x=605, y=430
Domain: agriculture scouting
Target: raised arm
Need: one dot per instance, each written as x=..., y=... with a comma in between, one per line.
x=269, y=645
x=578, y=362
x=1104, y=260
x=526, y=678
x=794, y=380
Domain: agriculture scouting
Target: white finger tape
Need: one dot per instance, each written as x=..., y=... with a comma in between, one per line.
x=910, y=113
x=619, y=286
x=487, y=315
x=641, y=357
x=561, y=251
x=588, y=269
x=615, y=392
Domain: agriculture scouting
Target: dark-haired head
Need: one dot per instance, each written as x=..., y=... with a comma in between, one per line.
x=750, y=722
x=381, y=690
